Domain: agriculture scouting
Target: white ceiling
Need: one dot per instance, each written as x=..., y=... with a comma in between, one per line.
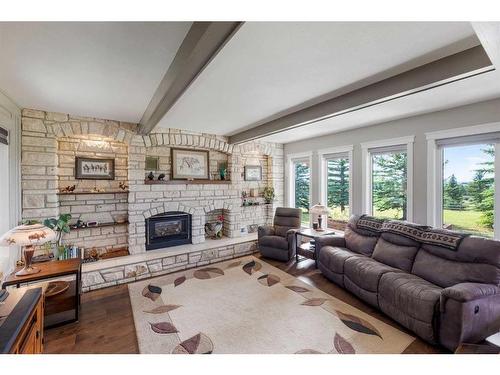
x=479, y=88
x=269, y=67
x=107, y=70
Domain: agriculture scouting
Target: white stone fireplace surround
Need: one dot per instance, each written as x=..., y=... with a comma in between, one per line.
x=51, y=140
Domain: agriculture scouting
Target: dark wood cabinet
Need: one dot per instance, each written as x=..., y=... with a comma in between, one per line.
x=21, y=330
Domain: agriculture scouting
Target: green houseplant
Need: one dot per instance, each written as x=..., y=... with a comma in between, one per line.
x=60, y=226
x=269, y=194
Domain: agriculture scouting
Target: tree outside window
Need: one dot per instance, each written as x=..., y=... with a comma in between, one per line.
x=302, y=174
x=469, y=188
x=337, y=196
x=389, y=185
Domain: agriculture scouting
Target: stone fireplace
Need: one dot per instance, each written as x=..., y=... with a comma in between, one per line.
x=168, y=229
x=128, y=207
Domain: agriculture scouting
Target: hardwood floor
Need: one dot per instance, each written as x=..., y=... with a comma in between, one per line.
x=106, y=324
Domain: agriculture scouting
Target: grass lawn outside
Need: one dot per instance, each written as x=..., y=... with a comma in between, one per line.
x=467, y=221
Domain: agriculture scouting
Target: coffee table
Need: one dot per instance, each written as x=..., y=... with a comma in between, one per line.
x=308, y=250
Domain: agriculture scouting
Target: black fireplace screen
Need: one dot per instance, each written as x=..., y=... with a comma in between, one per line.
x=168, y=229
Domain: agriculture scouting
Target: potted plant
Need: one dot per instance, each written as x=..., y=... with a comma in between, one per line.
x=60, y=226
x=269, y=194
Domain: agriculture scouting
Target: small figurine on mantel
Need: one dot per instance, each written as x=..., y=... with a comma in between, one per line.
x=95, y=189
x=122, y=185
x=68, y=189
x=151, y=176
x=161, y=177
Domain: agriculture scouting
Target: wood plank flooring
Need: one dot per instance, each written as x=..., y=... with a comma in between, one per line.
x=106, y=324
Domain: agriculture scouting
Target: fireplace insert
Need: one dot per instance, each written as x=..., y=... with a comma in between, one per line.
x=168, y=229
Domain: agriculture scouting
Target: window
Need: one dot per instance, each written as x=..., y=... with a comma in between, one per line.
x=389, y=182
x=302, y=188
x=298, y=177
x=462, y=170
x=388, y=171
x=337, y=186
x=468, y=187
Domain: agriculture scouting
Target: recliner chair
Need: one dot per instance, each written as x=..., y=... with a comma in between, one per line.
x=278, y=241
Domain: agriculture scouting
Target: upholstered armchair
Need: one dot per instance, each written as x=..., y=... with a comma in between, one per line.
x=278, y=241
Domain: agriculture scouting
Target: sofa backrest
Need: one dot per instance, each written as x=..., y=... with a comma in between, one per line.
x=285, y=219
x=476, y=259
x=396, y=251
x=359, y=240
x=442, y=257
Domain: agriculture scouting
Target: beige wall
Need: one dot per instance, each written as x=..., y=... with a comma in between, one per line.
x=473, y=114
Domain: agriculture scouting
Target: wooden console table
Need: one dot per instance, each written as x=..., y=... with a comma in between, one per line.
x=61, y=308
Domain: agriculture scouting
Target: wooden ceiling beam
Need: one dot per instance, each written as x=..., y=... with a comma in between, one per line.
x=451, y=68
x=202, y=43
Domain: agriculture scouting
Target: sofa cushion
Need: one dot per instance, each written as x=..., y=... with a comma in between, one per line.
x=395, y=255
x=366, y=272
x=359, y=243
x=402, y=295
x=443, y=272
x=274, y=241
x=334, y=258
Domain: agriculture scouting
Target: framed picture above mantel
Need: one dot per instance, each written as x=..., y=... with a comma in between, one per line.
x=94, y=169
x=190, y=164
x=253, y=173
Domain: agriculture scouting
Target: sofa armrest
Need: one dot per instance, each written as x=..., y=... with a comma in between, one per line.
x=265, y=230
x=466, y=292
x=335, y=241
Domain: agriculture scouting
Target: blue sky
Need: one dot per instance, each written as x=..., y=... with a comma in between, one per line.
x=463, y=160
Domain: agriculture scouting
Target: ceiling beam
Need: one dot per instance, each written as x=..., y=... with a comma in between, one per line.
x=461, y=65
x=202, y=43
x=489, y=36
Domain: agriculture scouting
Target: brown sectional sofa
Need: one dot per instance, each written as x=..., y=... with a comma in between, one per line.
x=442, y=285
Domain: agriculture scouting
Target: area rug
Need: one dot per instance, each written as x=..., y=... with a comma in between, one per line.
x=247, y=306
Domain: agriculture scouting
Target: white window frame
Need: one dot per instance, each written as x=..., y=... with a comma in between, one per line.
x=406, y=144
x=435, y=170
x=332, y=153
x=290, y=176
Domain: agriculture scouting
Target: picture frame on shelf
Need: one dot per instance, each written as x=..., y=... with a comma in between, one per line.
x=94, y=168
x=253, y=173
x=190, y=164
x=152, y=163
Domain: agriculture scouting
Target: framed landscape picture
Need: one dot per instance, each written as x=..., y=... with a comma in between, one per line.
x=94, y=169
x=253, y=173
x=190, y=164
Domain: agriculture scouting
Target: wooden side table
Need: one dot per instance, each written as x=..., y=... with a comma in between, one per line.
x=62, y=308
x=306, y=249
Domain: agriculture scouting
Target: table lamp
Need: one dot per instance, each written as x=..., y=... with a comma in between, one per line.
x=28, y=235
x=319, y=210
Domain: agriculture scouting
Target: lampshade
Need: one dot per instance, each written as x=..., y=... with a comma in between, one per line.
x=319, y=209
x=32, y=234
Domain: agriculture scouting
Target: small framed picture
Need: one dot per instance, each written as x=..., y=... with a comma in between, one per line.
x=190, y=164
x=94, y=169
x=253, y=173
x=152, y=163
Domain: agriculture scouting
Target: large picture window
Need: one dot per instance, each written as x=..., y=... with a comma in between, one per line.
x=462, y=192
x=388, y=178
x=468, y=187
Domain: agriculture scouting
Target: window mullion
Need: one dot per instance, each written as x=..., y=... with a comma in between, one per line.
x=496, y=209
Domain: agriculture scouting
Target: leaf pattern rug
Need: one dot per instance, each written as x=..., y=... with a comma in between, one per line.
x=246, y=306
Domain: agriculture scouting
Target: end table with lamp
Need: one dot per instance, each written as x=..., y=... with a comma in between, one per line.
x=62, y=298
